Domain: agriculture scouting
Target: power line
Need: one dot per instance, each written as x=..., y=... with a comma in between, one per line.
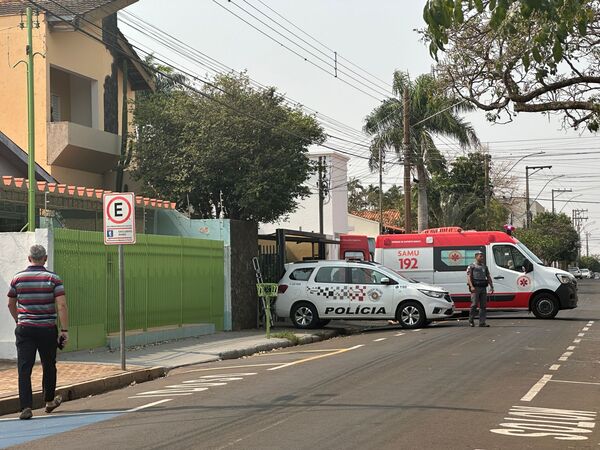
x=305, y=58
x=195, y=55
x=322, y=44
x=334, y=58
x=168, y=76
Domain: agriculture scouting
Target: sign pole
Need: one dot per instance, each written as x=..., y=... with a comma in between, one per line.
x=119, y=229
x=122, y=304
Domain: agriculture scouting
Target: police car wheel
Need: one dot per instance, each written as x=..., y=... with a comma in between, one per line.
x=544, y=306
x=411, y=315
x=305, y=315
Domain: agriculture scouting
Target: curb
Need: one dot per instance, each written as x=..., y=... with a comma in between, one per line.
x=10, y=405
x=279, y=343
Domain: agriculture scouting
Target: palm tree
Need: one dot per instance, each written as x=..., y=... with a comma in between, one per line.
x=432, y=112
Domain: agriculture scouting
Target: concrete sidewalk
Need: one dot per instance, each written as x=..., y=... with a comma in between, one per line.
x=92, y=372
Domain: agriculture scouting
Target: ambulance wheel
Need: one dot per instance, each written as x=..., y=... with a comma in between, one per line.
x=544, y=306
x=411, y=315
x=324, y=322
x=304, y=315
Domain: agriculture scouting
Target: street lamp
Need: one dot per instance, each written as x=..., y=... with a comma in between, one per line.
x=541, y=152
x=527, y=204
x=547, y=183
x=560, y=191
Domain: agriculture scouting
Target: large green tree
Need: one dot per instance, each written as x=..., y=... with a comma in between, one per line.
x=510, y=56
x=551, y=237
x=432, y=112
x=229, y=148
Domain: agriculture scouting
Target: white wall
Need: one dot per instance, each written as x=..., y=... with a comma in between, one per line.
x=361, y=226
x=335, y=210
x=13, y=258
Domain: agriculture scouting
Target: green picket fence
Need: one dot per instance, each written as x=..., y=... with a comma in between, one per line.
x=169, y=281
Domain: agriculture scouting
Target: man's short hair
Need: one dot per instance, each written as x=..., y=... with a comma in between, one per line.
x=37, y=252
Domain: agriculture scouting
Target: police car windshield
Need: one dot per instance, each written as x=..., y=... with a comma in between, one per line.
x=529, y=253
x=398, y=275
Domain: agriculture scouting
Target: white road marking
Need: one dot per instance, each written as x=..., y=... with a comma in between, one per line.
x=190, y=387
x=418, y=329
x=399, y=334
x=563, y=358
x=537, y=387
x=554, y=366
x=172, y=394
x=312, y=358
x=149, y=405
x=585, y=329
x=576, y=382
x=571, y=347
x=565, y=355
x=298, y=351
x=560, y=424
x=576, y=341
x=230, y=367
x=379, y=340
x=581, y=335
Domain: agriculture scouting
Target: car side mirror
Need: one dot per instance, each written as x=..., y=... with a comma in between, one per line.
x=527, y=266
x=386, y=280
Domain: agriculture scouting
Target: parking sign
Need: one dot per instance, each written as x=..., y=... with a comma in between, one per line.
x=119, y=218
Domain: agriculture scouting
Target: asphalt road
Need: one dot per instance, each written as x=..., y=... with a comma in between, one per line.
x=522, y=383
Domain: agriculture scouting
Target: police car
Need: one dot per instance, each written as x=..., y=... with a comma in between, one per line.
x=312, y=293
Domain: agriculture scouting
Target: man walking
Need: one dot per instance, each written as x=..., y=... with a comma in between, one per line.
x=35, y=297
x=478, y=279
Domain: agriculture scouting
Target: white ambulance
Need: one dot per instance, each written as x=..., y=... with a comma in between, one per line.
x=441, y=256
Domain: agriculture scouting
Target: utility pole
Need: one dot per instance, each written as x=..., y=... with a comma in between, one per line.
x=380, y=191
x=487, y=180
x=578, y=216
x=587, y=243
x=30, y=121
x=560, y=191
x=321, y=202
x=527, y=203
x=486, y=187
x=407, y=160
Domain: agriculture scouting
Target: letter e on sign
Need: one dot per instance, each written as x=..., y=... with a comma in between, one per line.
x=119, y=218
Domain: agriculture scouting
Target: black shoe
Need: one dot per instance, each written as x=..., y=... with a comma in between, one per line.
x=471, y=323
x=51, y=406
x=483, y=325
x=26, y=414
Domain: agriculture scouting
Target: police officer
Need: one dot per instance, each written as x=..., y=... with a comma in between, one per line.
x=478, y=279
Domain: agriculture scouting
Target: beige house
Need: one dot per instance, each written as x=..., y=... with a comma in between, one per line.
x=78, y=90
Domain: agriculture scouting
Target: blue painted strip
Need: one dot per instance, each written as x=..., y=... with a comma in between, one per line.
x=15, y=431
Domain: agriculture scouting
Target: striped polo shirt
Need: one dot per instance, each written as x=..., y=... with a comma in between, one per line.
x=36, y=290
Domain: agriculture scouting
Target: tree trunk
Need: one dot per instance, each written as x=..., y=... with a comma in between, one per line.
x=423, y=207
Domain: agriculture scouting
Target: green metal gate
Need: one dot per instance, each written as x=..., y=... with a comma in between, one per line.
x=170, y=281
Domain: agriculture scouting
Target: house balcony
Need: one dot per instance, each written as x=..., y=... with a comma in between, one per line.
x=83, y=148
